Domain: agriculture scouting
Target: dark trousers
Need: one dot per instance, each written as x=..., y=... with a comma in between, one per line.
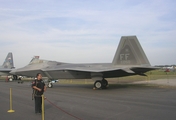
x=38, y=104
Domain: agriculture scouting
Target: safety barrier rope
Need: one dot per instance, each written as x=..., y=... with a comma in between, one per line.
x=57, y=107
x=62, y=110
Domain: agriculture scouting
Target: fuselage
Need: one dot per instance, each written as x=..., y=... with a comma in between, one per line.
x=59, y=70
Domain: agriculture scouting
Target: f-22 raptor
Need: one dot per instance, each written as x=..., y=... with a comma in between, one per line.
x=129, y=59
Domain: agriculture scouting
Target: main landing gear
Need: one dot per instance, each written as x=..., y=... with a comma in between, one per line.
x=15, y=77
x=101, y=84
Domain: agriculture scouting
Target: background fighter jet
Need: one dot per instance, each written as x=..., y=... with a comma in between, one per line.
x=8, y=65
x=129, y=59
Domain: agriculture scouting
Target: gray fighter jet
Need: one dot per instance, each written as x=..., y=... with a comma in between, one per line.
x=129, y=59
x=7, y=65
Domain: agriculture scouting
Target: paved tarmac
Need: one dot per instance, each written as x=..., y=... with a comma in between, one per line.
x=81, y=102
x=166, y=82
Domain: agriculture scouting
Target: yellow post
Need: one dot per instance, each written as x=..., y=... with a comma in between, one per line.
x=43, y=105
x=10, y=111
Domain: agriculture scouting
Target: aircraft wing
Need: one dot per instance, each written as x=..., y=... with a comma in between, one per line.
x=107, y=71
x=5, y=70
x=82, y=69
x=101, y=69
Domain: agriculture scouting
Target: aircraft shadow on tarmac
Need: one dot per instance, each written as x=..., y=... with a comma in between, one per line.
x=110, y=87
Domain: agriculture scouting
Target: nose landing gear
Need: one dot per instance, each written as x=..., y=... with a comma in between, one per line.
x=50, y=85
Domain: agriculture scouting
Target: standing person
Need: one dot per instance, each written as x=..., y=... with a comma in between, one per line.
x=39, y=88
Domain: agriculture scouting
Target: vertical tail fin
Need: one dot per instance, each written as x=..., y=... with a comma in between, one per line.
x=8, y=63
x=130, y=52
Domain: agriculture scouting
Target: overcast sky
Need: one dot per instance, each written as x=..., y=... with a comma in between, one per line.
x=86, y=31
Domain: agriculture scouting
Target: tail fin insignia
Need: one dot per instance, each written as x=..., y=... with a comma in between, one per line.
x=8, y=63
x=130, y=52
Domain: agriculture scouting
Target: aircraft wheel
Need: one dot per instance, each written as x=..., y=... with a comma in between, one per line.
x=98, y=84
x=104, y=84
x=15, y=77
x=50, y=85
x=10, y=79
